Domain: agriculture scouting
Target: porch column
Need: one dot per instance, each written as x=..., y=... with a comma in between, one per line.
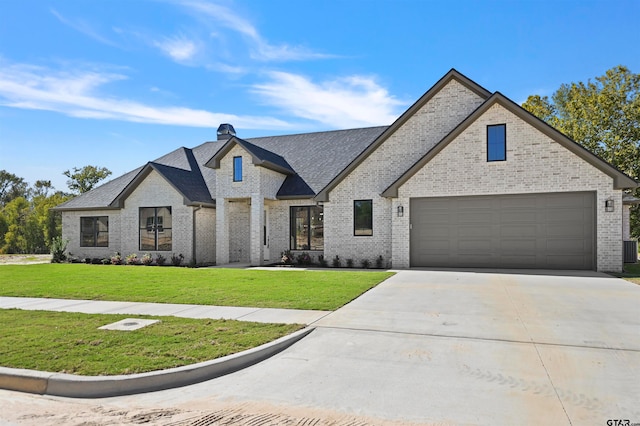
x=256, y=230
x=222, y=231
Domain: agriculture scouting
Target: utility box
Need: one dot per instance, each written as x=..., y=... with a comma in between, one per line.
x=630, y=251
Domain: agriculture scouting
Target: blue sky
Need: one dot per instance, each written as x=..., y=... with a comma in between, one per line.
x=118, y=83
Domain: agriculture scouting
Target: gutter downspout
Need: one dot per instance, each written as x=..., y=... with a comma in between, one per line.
x=193, y=245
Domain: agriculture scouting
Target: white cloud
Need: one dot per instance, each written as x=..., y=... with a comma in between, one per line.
x=260, y=49
x=76, y=94
x=178, y=48
x=84, y=27
x=354, y=101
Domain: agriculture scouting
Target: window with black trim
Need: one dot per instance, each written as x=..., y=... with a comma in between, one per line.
x=307, y=228
x=94, y=231
x=497, y=142
x=237, y=169
x=363, y=217
x=155, y=228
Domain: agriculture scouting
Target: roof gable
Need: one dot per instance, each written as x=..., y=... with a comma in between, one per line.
x=187, y=181
x=453, y=74
x=621, y=180
x=259, y=156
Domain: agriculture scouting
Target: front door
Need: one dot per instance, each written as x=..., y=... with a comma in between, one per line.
x=265, y=238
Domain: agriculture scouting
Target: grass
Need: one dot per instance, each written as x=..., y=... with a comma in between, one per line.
x=72, y=343
x=321, y=290
x=631, y=272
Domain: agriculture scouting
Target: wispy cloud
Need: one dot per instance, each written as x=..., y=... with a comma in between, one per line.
x=179, y=48
x=259, y=48
x=83, y=27
x=345, y=102
x=77, y=94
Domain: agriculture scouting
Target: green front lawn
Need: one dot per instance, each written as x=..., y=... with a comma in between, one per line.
x=71, y=343
x=631, y=272
x=321, y=290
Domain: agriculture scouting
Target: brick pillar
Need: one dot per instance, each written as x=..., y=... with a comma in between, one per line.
x=256, y=230
x=222, y=231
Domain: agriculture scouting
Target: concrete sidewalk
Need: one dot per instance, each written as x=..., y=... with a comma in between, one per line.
x=265, y=315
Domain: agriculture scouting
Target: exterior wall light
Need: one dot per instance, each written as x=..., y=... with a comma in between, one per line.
x=608, y=205
x=400, y=211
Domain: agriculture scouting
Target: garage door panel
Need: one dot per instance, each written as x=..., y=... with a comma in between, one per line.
x=517, y=216
x=478, y=217
x=548, y=231
x=465, y=231
x=523, y=246
x=519, y=261
x=567, y=230
x=558, y=246
x=518, y=231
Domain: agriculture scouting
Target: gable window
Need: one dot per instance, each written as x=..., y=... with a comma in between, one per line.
x=497, y=142
x=237, y=169
x=155, y=228
x=94, y=231
x=307, y=228
x=363, y=217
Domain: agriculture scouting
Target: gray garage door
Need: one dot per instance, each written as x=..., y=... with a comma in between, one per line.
x=540, y=231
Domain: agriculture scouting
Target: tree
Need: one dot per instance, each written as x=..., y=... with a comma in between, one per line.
x=16, y=213
x=11, y=186
x=603, y=116
x=85, y=178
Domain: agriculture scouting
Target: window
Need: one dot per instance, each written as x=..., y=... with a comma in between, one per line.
x=237, y=169
x=307, y=228
x=363, y=217
x=94, y=231
x=155, y=228
x=497, y=142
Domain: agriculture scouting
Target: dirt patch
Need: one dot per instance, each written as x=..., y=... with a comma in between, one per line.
x=24, y=259
x=219, y=413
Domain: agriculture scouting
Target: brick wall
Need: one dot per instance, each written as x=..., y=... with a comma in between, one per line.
x=441, y=114
x=535, y=163
x=71, y=232
x=240, y=228
x=155, y=191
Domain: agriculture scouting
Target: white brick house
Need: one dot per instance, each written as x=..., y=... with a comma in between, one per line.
x=464, y=178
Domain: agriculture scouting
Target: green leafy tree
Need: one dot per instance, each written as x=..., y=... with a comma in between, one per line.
x=11, y=186
x=85, y=179
x=602, y=115
x=16, y=213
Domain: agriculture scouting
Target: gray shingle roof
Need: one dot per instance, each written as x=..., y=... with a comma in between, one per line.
x=314, y=159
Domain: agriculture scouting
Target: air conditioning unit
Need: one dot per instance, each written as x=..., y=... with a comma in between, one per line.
x=630, y=251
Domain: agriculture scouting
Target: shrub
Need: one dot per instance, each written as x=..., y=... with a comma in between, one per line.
x=58, y=247
x=379, y=262
x=365, y=263
x=287, y=257
x=177, y=260
x=303, y=259
x=105, y=261
x=116, y=259
x=349, y=263
x=322, y=261
x=160, y=260
x=147, y=259
x=132, y=259
x=336, y=262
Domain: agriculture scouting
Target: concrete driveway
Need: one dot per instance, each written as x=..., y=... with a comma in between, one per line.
x=425, y=347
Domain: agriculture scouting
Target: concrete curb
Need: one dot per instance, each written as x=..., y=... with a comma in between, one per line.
x=70, y=385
